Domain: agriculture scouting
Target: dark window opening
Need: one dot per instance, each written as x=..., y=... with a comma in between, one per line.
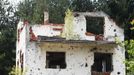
x=55, y=60
x=21, y=60
x=102, y=62
x=95, y=25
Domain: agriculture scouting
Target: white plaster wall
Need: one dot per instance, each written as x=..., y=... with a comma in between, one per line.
x=110, y=27
x=80, y=26
x=21, y=44
x=109, y=32
x=77, y=55
x=45, y=30
x=118, y=62
x=79, y=23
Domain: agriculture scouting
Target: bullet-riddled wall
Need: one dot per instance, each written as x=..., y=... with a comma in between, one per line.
x=78, y=57
x=31, y=54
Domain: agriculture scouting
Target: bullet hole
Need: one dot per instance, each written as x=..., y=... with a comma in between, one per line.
x=106, y=50
x=76, y=15
x=71, y=47
x=115, y=35
x=93, y=49
x=86, y=65
x=82, y=65
x=39, y=57
x=114, y=30
x=48, y=46
x=61, y=46
x=31, y=70
x=100, y=49
x=86, y=59
x=38, y=68
x=34, y=62
x=81, y=29
x=118, y=73
x=117, y=49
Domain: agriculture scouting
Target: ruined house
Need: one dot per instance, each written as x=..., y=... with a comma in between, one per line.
x=86, y=47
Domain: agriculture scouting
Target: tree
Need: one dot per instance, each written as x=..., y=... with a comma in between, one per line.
x=57, y=10
x=121, y=11
x=33, y=10
x=38, y=11
x=130, y=53
x=25, y=10
x=8, y=23
x=82, y=5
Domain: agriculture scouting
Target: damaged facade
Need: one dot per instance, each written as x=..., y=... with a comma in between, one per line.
x=41, y=49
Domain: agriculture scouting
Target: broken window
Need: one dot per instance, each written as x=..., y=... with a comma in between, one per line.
x=102, y=62
x=95, y=25
x=55, y=60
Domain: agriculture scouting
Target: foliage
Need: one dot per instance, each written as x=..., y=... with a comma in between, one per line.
x=130, y=57
x=68, y=24
x=57, y=10
x=119, y=42
x=8, y=21
x=82, y=5
x=38, y=11
x=33, y=10
x=16, y=71
x=68, y=31
x=121, y=11
x=132, y=23
x=25, y=10
x=130, y=54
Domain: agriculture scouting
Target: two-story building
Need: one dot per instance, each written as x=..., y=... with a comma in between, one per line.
x=84, y=45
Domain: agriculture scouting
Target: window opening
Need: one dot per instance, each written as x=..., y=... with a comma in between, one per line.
x=95, y=25
x=55, y=60
x=102, y=63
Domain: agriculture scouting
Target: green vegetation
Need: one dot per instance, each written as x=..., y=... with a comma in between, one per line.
x=17, y=71
x=8, y=22
x=68, y=32
x=130, y=53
